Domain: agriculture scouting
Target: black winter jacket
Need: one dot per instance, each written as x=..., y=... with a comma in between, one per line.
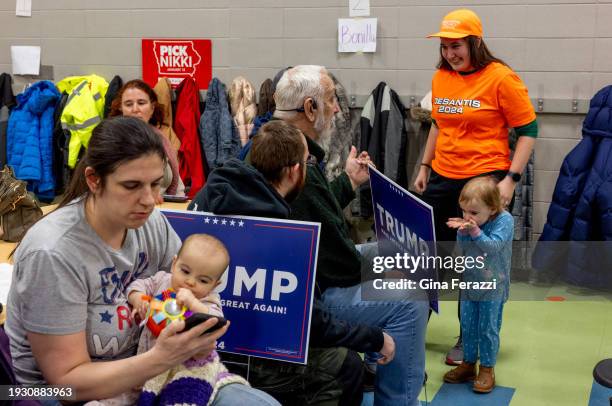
x=339, y=263
x=384, y=136
x=7, y=102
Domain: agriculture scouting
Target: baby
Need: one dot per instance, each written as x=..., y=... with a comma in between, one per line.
x=196, y=270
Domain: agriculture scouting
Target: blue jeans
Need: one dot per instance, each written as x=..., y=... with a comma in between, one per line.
x=405, y=319
x=480, y=326
x=239, y=394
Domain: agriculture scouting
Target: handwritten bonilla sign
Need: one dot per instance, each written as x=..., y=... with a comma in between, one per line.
x=357, y=34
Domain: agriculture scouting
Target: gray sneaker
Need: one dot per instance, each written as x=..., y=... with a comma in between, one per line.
x=455, y=354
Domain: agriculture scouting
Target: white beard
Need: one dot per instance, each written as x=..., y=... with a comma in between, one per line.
x=325, y=132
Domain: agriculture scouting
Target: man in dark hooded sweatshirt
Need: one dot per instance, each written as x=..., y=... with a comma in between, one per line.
x=334, y=373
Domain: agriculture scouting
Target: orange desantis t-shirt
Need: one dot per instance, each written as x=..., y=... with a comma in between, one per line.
x=473, y=113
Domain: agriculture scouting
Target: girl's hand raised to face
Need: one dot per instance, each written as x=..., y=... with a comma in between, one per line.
x=468, y=225
x=455, y=222
x=461, y=224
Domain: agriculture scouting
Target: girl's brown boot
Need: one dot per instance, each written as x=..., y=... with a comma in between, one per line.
x=485, y=381
x=462, y=373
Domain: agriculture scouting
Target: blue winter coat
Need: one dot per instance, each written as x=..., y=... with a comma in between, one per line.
x=219, y=138
x=581, y=208
x=30, y=136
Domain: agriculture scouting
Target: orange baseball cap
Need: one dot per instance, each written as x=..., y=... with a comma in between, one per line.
x=459, y=24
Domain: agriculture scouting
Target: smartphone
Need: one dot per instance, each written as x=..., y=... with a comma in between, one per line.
x=199, y=318
x=174, y=198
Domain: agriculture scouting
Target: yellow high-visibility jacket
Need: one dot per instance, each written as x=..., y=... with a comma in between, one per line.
x=84, y=110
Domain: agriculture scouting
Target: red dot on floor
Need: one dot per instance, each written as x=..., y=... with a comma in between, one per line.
x=555, y=298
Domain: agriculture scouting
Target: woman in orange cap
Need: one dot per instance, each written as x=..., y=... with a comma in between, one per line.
x=475, y=98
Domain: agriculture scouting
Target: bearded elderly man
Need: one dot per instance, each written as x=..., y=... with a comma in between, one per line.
x=305, y=97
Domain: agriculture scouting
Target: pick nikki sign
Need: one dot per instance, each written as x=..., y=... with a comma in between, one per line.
x=177, y=59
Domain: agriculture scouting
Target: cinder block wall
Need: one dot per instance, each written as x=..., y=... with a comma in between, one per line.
x=561, y=48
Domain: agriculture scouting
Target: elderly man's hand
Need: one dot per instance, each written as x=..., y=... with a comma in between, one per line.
x=387, y=352
x=357, y=167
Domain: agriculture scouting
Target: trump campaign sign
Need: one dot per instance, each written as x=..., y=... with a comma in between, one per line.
x=267, y=291
x=177, y=59
x=404, y=224
x=401, y=218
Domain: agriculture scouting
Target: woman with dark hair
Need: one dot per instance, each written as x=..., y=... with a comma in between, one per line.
x=475, y=97
x=137, y=99
x=68, y=318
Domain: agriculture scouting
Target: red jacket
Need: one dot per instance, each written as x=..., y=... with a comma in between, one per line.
x=191, y=167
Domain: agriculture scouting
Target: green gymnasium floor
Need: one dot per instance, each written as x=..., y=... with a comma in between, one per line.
x=548, y=350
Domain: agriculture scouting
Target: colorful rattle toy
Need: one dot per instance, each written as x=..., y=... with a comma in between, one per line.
x=163, y=310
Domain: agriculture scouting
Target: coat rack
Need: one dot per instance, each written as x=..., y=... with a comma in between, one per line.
x=540, y=105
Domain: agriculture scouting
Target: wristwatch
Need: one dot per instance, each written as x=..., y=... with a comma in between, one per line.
x=515, y=176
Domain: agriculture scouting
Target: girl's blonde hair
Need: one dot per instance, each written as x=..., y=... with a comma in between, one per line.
x=483, y=188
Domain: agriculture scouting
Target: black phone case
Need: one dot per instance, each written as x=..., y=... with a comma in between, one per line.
x=199, y=318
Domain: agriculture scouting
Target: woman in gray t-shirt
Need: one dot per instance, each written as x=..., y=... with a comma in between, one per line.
x=67, y=308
